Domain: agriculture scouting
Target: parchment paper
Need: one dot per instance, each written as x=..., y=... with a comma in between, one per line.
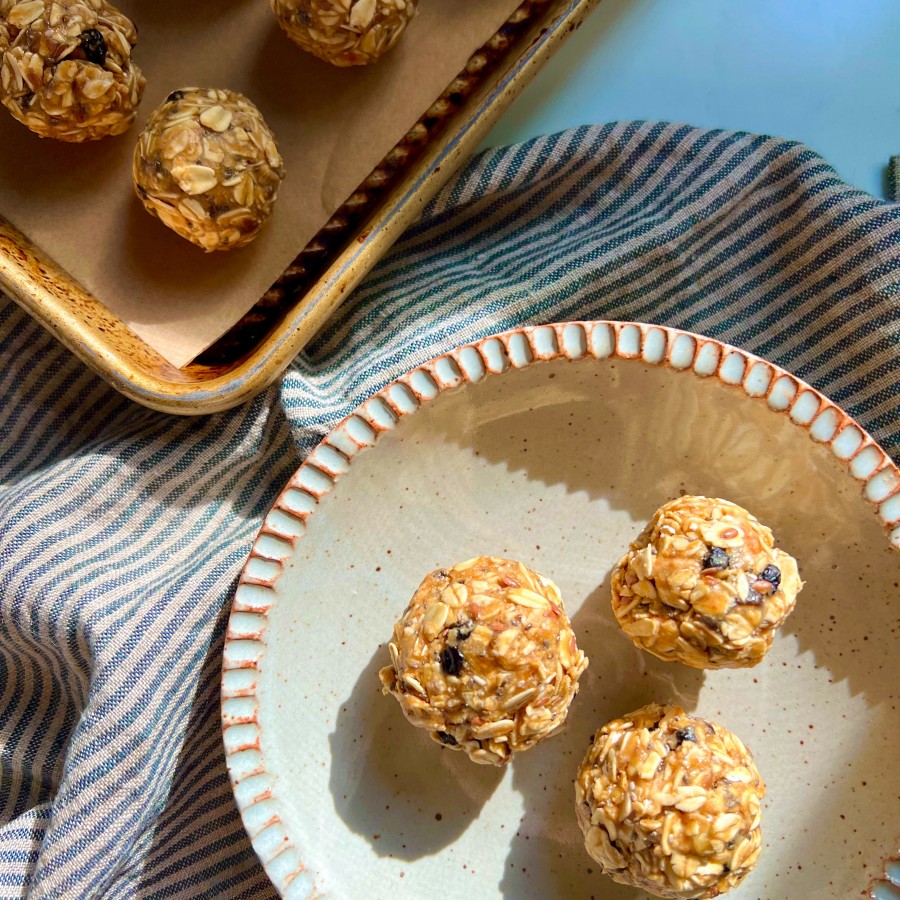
x=333, y=126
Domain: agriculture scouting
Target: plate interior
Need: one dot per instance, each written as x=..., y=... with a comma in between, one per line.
x=560, y=465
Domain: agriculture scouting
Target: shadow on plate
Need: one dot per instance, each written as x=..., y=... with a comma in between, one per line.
x=846, y=615
x=392, y=784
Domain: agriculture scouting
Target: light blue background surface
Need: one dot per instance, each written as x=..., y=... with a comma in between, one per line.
x=825, y=72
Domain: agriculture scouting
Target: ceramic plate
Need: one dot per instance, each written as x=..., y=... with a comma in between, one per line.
x=554, y=446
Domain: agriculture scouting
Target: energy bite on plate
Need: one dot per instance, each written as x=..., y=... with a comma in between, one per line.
x=704, y=584
x=670, y=803
x=484, y=658
x=66, y=70
x=207, y=165
x=345, y=32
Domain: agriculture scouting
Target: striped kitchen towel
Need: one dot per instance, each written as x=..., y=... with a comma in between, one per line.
x=122, y=531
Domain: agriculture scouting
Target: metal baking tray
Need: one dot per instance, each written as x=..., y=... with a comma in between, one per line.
x=255, y=351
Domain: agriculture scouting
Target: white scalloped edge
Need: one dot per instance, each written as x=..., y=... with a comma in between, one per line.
x=888, y=888
x=286, y=522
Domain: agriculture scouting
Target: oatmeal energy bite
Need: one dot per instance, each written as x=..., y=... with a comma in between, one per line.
x=704, y=584
x=65, y=68
x=670, y=804
x=207, y=165
x=345, y=32
x=485, y=659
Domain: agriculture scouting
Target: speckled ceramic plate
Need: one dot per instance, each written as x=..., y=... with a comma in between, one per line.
x=553, y=446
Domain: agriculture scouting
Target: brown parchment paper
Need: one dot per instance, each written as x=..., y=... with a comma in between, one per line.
x=333, y=127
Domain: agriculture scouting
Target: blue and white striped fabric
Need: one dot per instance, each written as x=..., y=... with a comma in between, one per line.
x=122, y=531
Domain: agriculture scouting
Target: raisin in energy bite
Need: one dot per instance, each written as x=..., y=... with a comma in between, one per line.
x=66, y=70
x=670, y=803
x=345, y=32
x=484, y=659
x=207, y=165
x=704, y=584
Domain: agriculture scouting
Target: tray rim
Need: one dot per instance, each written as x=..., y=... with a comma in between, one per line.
x=44, y=290
x=683, y=352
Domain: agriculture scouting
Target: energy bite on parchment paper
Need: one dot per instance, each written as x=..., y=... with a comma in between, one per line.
x=704, y=584
x=670, y=804
x=485, y=659
x=207, y=165
x=345, y=32
x=66, y=69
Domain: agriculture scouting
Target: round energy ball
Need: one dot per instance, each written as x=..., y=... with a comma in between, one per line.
x=670, y=804
x=704, y=584
x=345, y=32
x=484, y=658
x=207, y=165
x=66, y=70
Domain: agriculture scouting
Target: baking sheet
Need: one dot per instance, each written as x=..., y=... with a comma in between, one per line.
x=333, y=127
